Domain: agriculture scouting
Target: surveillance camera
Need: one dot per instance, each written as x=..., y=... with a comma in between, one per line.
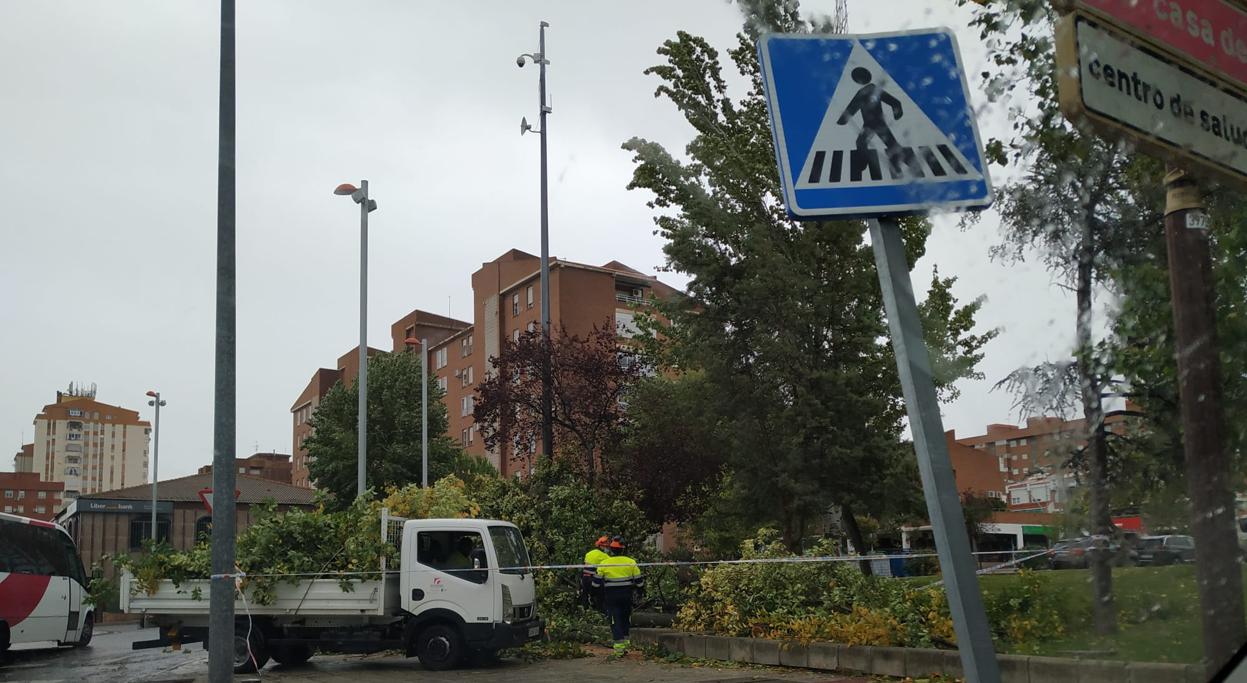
x=519, y=61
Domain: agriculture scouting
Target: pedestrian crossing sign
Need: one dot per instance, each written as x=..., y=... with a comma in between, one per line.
x=872, y=125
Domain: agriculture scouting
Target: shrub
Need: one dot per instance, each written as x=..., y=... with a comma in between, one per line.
x=834, y=601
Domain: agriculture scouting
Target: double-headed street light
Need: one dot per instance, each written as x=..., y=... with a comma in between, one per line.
x=424, y=406
x=366, y=206
x=539, y=58
x=157, y=402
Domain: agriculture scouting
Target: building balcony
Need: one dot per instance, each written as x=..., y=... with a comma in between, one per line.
x=629, y=299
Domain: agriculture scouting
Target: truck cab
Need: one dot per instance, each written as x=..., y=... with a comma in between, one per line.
x=472, y=576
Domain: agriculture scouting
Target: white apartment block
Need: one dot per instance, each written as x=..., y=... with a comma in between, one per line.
x=90, y=446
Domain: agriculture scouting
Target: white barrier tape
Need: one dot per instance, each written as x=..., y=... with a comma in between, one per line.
x=668, y=563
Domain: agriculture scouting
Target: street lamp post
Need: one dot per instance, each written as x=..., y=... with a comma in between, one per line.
x=366, y=206
x=539, y=58
x=424, y=406
x=157, y=402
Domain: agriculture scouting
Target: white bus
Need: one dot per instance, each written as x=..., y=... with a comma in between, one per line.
x=42, y=585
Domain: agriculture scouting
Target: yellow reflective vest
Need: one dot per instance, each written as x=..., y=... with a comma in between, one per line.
x=595, y=556
x=619, y=571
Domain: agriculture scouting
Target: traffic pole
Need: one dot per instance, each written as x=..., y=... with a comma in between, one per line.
x=547, y=412
x=1192, y=293
x=221, y=593
x=952, y=541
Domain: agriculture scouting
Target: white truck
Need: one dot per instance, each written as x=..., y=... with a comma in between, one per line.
x=461, y=586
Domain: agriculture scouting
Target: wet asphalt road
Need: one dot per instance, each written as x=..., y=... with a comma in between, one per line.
x=110, y=659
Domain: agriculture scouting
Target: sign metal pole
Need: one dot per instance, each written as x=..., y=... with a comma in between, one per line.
x=952, y=542
x=224, y=525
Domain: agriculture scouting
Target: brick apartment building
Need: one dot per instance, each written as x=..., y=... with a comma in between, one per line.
x=974, y=471
x=1031, y=458
x=506, y=294
x=88, y=445
x=271, y=466
x=24, y=493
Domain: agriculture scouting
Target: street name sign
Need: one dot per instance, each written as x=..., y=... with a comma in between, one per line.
x=872, y=125
x=1208, y=34
x=1123, y=87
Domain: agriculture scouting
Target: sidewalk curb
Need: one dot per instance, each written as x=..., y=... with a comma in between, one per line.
x=907, y=661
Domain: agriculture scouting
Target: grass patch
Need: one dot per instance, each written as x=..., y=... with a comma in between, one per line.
x=1157, y=614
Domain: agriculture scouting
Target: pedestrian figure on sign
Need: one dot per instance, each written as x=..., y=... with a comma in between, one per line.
x=869, y=102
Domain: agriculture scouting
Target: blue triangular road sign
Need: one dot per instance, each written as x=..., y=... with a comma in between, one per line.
x=872, y=125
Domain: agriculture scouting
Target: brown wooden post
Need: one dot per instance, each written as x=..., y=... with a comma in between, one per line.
x=1191, y=287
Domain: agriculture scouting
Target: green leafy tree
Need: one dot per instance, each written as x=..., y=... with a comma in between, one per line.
x=1075, y=206
x=784, y=318
x=672, y=448
x=394, y=458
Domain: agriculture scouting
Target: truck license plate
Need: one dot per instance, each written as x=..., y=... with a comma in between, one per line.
x=534, y=631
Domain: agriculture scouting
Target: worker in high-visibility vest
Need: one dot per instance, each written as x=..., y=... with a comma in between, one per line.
x=590, y=595
x=620, y=578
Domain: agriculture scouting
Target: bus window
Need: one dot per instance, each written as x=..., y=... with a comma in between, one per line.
x=22, y=552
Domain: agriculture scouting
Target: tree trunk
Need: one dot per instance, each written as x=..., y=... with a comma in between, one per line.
x=1103, y=610
x=855, y=536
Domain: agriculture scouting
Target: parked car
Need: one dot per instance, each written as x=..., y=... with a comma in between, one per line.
x=1173, y=549
x=1069, y=553
x=1074, y=553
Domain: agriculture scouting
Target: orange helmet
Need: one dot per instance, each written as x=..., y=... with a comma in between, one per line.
x=617, y=544
x=602, y=542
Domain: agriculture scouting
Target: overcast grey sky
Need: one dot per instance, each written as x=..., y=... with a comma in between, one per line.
x=108, y=134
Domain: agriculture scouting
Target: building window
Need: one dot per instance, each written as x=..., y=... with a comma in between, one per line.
x=409, y=332
x=73, y=437
x=1014, y=470
x=21, y=495
x=441, y=383
x=74, y=412
x=471, y=433
x=8, y=494
x=515, y=304
x=75, y=425
x=471, y=374
x=466, y=404
x=203, y=529
x=8, y=509
x=39, y=510
x=1021, y=442
x=440, y=358
x=531, y=326
x=41, y=495
x=141, y=530
x=515, y=335
x=530, y=296
x=463, y=436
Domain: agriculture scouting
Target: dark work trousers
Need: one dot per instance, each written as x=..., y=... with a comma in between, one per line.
x=618, y=601
x=590, y=595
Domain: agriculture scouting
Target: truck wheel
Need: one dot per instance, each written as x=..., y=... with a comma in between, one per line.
x=439, y=647
x=291, y=655
x=247, y=661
